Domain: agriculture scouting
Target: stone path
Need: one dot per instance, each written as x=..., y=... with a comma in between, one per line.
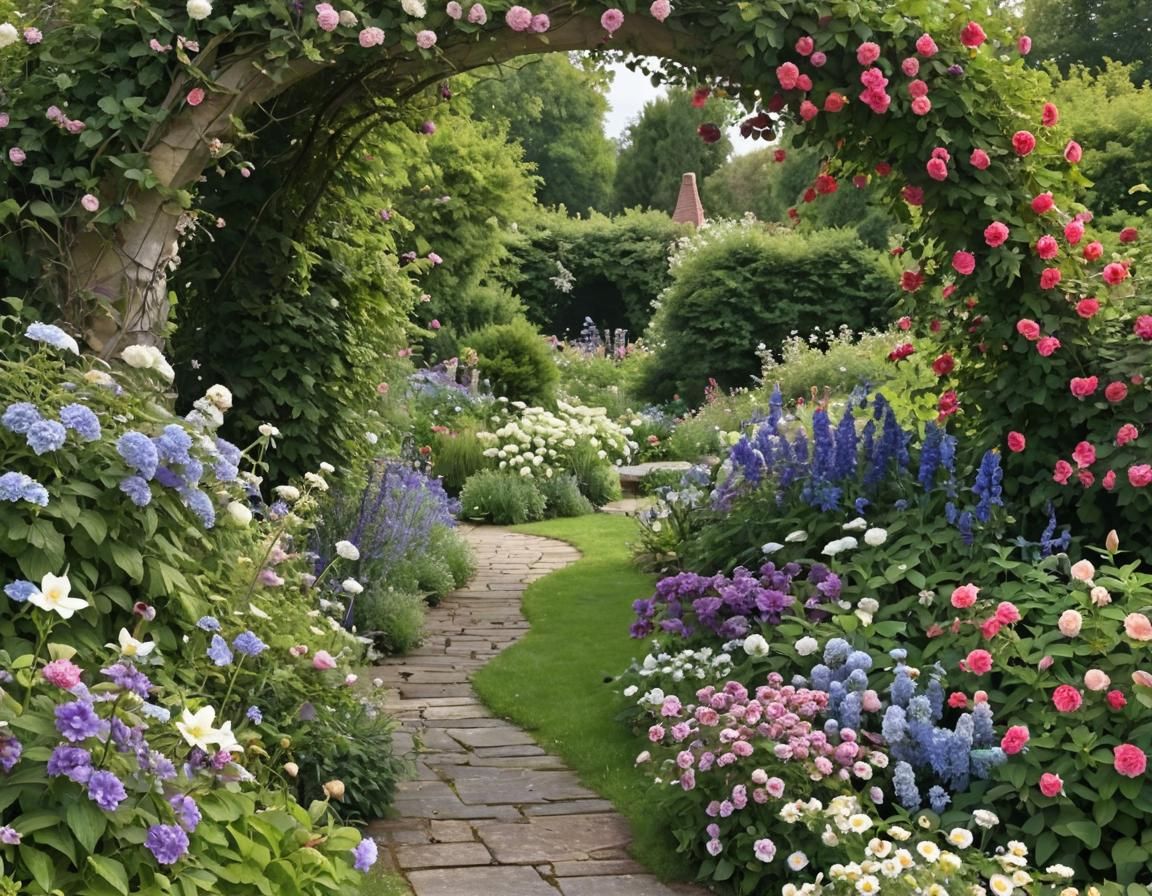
x=490, y=813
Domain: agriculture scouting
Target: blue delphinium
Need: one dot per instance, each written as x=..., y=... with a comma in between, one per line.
x=82, y=420
x=987, y=486
x=904, y=783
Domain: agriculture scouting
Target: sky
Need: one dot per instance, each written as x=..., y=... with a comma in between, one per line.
x=630, y=91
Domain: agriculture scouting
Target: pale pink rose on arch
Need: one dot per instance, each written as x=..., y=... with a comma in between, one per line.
x=612, y=20
x=454, y=10
x=518, y=18
x=426, y=39
x=371, y=37
x=660, y=10
x=477, y=14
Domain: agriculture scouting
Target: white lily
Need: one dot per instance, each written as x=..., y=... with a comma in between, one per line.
x=129, y=646
x=53, y=595
x=198, y=727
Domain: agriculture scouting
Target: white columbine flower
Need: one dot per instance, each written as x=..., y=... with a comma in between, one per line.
x=268, y=430
x=807, y=646
x=755, y=645
x=798, y=535
x=855, y=525
x=875, y=536
x=351, y=586
x=347, y=550
x=199, y=9
x=198, y=728
x=53, y=595
x=129, y=646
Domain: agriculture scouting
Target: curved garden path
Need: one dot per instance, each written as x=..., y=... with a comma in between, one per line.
x=490, y=813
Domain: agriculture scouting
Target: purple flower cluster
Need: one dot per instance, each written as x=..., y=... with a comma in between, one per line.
x=688, y=604
x=167, y=842
x=10, y=752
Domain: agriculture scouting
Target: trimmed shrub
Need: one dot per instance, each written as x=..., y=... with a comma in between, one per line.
x=502, y=498
x=599, y=482
x=517, y=362
x=456, y=552
x=455, y=457
x=393, y=619
x=564, y=498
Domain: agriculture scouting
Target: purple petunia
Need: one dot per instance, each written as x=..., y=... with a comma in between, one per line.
x=77, y=721
x=106, y=790
x=167, y=842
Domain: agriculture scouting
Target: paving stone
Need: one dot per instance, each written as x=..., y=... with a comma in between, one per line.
x=553, y=839
x=444, y=808
x=442, y=855
x=506, y=736
x=480, y=882
x=570, y=807
x=516, y=785
x=514, y=750
x=451, y=831
x=620, y=885
x=596, y=868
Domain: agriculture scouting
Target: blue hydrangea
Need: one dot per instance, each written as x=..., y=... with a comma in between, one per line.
x=81, y=420
x=218, y=651
x=836, y=651
x=193, y=470
x=21, y=487
x=364, y=854
x=139, y=452
x=46, y=436
x=208, y=624
x=228, y=451
x=20, y=590
x=254, y=715
x=248, y=644
x=938, y=799
x=52, y=335
x=137, y=490
x=19, y=417
x=173, y=444
x=225, y=471
x=169, y=478
x=201, y=505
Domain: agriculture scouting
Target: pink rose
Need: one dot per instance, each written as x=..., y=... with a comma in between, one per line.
x=541, y=23
x=660, y=10
x=1017, y=442
x=1096, y=680
x=972, y=35
x=808, y=110
x=1029, y=329
x=612, y=20
x=787, y=74
x=1074, y=232
x=1024, y=44
x=818, y=59
x=910, y=66
x=1115, y=273
x=1115, y=392
x=1083, y=386
x=1066, y=698
x=477, y=14
x=805, y=45
x=1129, y=761
x=1093, y=251
x=1070, y=623
x=434, y=324
x=1129, y=235
x=937, y=169
x=1085, y=455
x=322, y=660
x=327, y=18
x=925, y=46
x=1116, y=699
x=1047, y=247
x=1109, y=480
x=426, y=39
x=90, y=203
x=913, y=195
x=1083, y=571
x=518, y=18
x=33, y=36
x=867, y=53
x=996, y=234
x=1143, y=327
x=1050, y=278
x=1073, y=153
x=1140, y=476
x=371, y=37
x=1023, y=142
x=1051, y=785
x=964, y=262
x=979, y=160
x=990, y=628
x=1043, y=203
x=195, y=96
x=17, y=156
x=1014, y=740
x=922, y=106
x=454, y=10
x=1049, y=116
x=964, y=596
x=1062, y=472
x=1007, y=613
x=834, y=102
x=1125, y=434
x=1087, y=308
x=1138, y=627
x=978, y=662
x=1047, y=345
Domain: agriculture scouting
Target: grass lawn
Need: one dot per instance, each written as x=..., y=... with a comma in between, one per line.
x=553, y=681
x=384, y=884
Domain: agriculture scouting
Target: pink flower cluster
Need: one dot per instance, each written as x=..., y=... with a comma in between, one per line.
x=520, y=18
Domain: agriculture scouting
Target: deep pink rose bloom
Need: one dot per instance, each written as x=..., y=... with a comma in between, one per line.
x=964, y=262
x=805, y=45
x=1066, y=698
x=910, y=66
x=818, y=59
x=1143, y=327
x=1116, y=699
x=63, y=673
x=867, y=53
x=925, y=46
x=787, y=74
x=1129, y=761
x=964, y=596
x=1050, y=278
x=921, y=105
x=195, y=96
x=1023, y=142
x=1042, y=203
x=1093, y=251
x=937, y=169
x=1125, y=434
x=1129, y=235
x=1051, y=785
x=808, y=110
x=996, y=234
x=1047, y=247
x=1029, y=329
x=1074, y=232
x=1017, y=442
x=1084, y=454
x=1047, y=345
x=1073, y=153
x=1024, y=44
x=1050, y=116
x=1062, y=472
x=978, y=662
x=1140, y=476
x=1115, y=273
x=1083, y=386
x=1116, y=392
x=1007, y=613
x=972, y=35
x=979, y=160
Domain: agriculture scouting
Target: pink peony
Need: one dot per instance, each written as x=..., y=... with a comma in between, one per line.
x=612, y=20
x=327, y=18
x=1129, y=761
x=996, y=234
x=1047, y=247
x=1042, y=203
x=1073, y=153
x=972, y=35
x=1014, y=739
x=1096, y=680
x=1049, y=116
x=1070, y=623
x=322, y=660
x=1047, y=345
x=867, y=53
x=1093, y=251
x=964, y=262
x=1125, y=434
x=63, y=673
x=1051, y=785
x=1023, y=142
x=371, y=37
x=1067, y=698
x=660, y=10
x=1140, y=476
x=1050, y=278
x=1029, y=329
x=1115, y=273
x=1116, y=699
x=477, y=14
x=1083, y=386
x=978, y=662
x=1143, y=327
x=518, y=18
x=90, y=203
x=1087, y=308
x=979, y=160
x=925, y=46
x=1016, y=442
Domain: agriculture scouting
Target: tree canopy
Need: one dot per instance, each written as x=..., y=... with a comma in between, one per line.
x=1090, y=32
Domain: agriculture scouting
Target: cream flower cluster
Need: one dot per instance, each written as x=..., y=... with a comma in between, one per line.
x=538, y=441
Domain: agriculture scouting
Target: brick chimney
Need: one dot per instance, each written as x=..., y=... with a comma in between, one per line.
x=688, y=207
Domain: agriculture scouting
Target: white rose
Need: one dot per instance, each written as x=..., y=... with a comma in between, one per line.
x=347, y=550
x=8, y=35
x=137, y=356
x=287, y=492
x=268, y=430
x=416, y=9
x=875, y=537
x=755, y=645
x=351, y=586
x=855, y=525
x=807, y=646
x=239, y=513
x=199, y=10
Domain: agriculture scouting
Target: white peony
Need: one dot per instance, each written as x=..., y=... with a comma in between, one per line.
x=347, y=550
x=807, y=646
x=875, y=537
x=8, y=35
x=755, y=645
x=855, y=525
x=198, y=10
x=415, y=9
x=220, y=396
x=239, y=513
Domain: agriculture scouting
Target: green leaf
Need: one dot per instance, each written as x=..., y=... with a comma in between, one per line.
x=86, y=822
x=112, y=871
x=1085, y=831
x=42, y=209
x=42, y=867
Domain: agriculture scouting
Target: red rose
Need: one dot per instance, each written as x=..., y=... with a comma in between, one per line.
x=1093, y=251
x=901, y=351
x=1083, y=386
x=979, y=160
x=779, y=155
x=1087, y=308
x=793, y=213
x=1074, y=232
x=1043, y=203
x=972, y=35
x=1023, y=142
x=935, y=325
x=1143, y=327
x=1115, y=273
x=1017, y=442
x=996, y=234
x=709, y=133
x=948, y=404
x=1029, y=329
x=1073, y=153
x=943, y=365
x=1062, y=472
x=1116, y=699
x=910, y=281
x=1014, y=740
x=1066, y=698
x=700, y=97
x=964, y=263
x=914, y=195
x=860, y=181
x=825, y=184
x=937, y=169
x=1129, y=761
x=1049, y=116
x=1051, y=785
x=883, y=169
x=1116, y=392
x=1129, y=235
x=1047, y=247
x=1047, y=345
x=809, y=195
x=1050, y=278
x=1084, y=454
